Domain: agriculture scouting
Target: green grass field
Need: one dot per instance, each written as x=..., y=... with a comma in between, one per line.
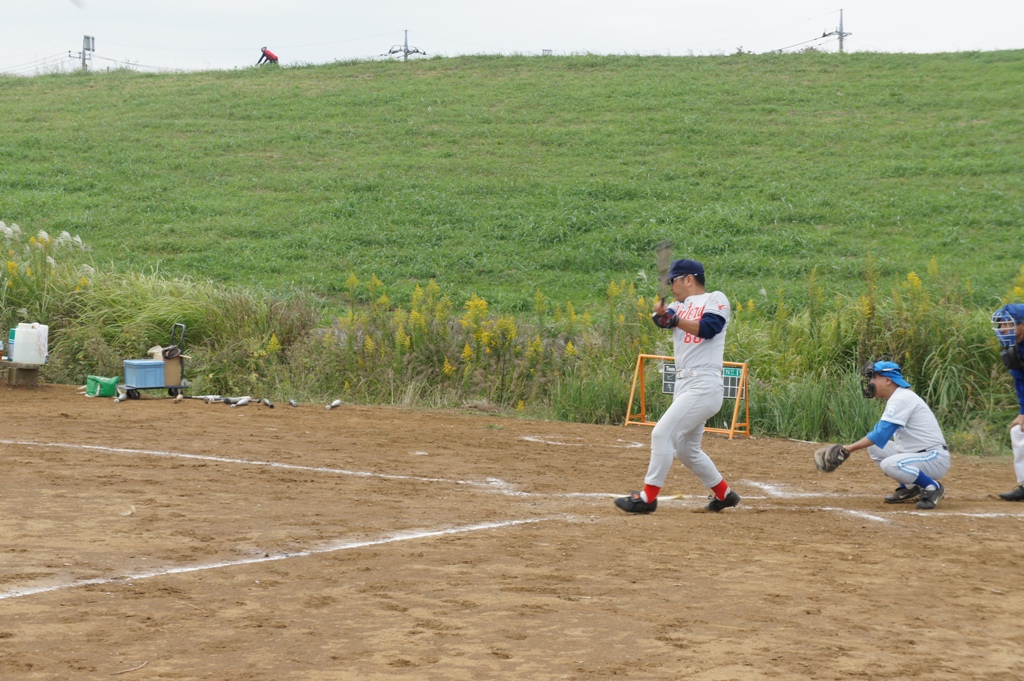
x=502, y=175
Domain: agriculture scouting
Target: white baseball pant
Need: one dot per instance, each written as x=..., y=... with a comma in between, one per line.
x=698, y=397
x=1017, y=442
x=905, y=466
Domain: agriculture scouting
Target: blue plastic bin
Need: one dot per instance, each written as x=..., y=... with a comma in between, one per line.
x=144, y=373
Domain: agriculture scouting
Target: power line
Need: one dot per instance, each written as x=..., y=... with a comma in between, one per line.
x=34, y=61
x=812, y=40
x=40, y=65
x=767, y=30
x=133, y=64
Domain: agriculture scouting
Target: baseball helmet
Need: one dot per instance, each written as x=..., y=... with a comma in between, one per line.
x=1004, y=323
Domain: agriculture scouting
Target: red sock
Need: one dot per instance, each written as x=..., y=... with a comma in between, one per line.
x=651, y=492
x=720, y=490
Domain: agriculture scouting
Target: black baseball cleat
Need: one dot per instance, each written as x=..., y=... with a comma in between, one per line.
x=1016, y=494
x=731, y=499
x=930, y=497
x=634, y=503
x=903, y=494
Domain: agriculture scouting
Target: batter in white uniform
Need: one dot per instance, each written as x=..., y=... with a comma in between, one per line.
x=698, y=320
x=907, y=444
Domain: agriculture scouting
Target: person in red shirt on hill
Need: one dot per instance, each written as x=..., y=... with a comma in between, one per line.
x=269, y=56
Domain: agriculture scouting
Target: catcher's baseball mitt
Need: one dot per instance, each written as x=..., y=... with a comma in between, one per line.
x=829, y=458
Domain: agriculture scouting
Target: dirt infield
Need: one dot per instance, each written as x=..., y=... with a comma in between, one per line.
x=153, y=540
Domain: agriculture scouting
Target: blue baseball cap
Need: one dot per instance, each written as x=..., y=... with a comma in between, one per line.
x=892, y=371
x=680, y=268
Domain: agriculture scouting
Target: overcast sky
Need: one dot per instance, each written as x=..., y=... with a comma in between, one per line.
x=226, y=34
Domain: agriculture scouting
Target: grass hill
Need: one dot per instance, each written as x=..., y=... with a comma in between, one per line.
x=502, y=175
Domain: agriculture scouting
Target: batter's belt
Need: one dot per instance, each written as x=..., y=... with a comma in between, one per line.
x=692, y=373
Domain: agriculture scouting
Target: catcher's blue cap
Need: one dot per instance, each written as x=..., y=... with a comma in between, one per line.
x=892, y=371
x=680, y=268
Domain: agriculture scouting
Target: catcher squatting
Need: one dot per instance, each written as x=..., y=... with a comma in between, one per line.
x=907, y=443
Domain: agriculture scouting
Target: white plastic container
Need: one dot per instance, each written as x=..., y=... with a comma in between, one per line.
x=31, y=344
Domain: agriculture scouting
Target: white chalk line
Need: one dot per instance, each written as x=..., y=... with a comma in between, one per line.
x=329, y=548
x=778, y=491
x=557, y=440
x=773, y=491
x=489, y=482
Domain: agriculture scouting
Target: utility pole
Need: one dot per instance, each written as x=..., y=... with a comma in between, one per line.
x=841, y=33
x=405, y=50
x=88, y=45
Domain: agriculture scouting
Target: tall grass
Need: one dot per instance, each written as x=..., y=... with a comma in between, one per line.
x=554, y=361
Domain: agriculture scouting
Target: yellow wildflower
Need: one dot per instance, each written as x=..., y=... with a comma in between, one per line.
x=274, y=345
x=570, y=312
x=402, y=338
x=476, y=312
x=540, y=302
x=448, y=369
x=535, y=348
x=505, y=332
x=433, y=290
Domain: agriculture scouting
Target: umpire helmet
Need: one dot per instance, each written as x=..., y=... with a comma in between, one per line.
x=1005, y=321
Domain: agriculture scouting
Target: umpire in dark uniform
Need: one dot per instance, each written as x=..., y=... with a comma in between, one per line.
x=1008, y=324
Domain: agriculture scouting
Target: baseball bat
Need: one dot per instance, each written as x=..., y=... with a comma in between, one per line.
x=664, y=250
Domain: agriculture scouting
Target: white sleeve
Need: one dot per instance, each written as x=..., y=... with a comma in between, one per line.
x=718, y=304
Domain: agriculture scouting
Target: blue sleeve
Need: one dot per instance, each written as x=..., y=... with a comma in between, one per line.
x=882, y=433
x=1018, y=384
x=710, y=325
